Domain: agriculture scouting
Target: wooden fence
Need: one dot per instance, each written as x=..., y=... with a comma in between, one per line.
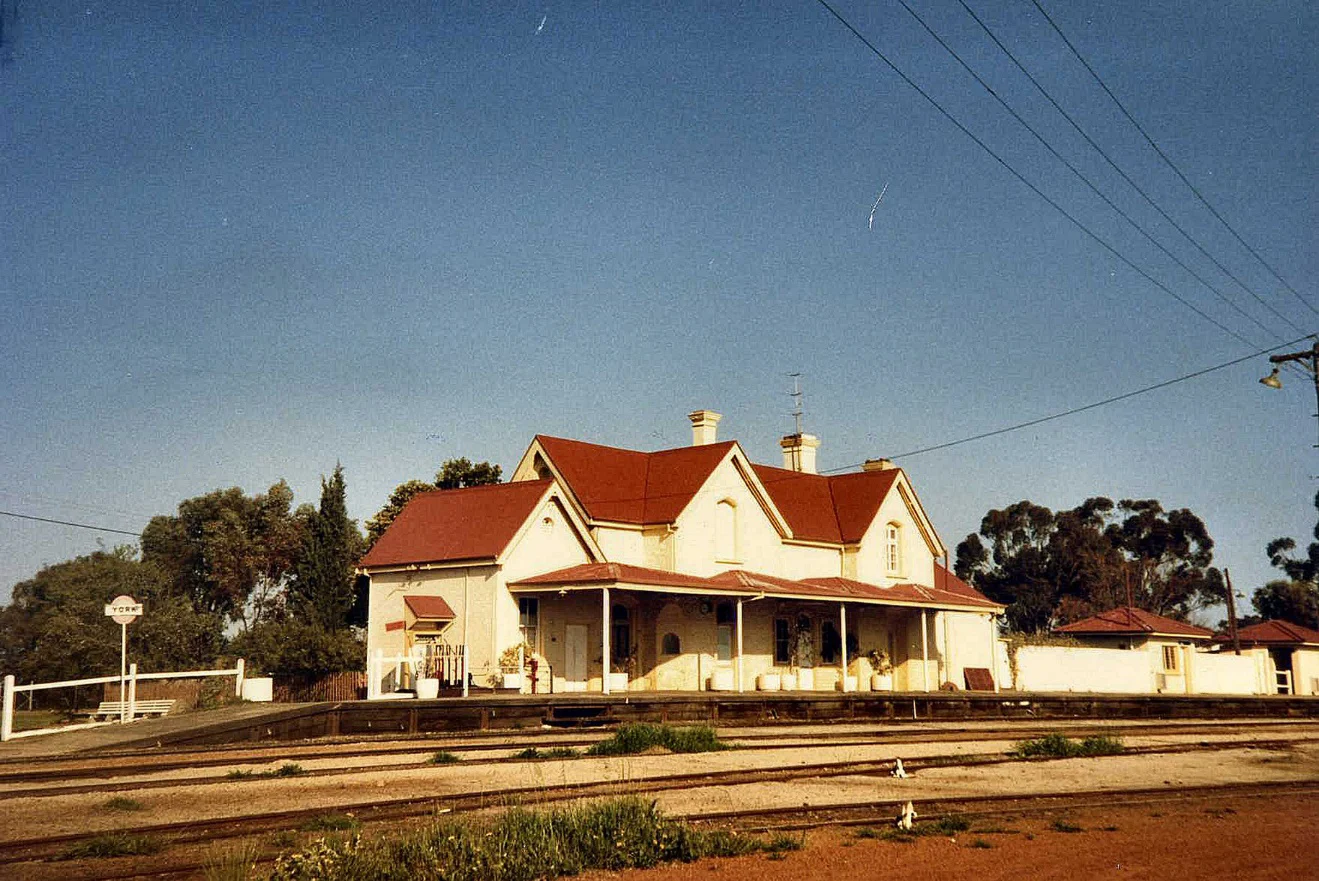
x=349, y=686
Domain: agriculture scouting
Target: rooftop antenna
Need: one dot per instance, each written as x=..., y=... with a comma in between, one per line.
x=796, y=395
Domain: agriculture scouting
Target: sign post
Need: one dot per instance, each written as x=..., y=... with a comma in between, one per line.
x=123, y=610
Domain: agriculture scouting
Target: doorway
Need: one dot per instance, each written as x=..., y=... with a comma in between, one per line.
x=574, y=657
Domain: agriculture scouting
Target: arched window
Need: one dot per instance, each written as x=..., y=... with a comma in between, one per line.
x=670, y=644
x=725, y=531
x=893, y=548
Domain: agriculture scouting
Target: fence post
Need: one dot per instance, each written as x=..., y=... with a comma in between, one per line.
x=7, y=713
x=465, y=676
x=132, y=690
x=240, y=670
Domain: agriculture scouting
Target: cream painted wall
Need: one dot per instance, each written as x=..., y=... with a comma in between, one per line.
x=917, y=558
x=385, y=605
x=1227, y=673
x=758, y=545
x=621, y=545
x=805, y=561
x=1305, y=670
x=1067, y=668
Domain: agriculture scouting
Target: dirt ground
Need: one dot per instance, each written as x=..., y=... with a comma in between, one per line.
x=1224, y=838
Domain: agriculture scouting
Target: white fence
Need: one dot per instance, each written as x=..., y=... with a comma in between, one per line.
x=387, y=676
x=1132, y=671
x=128, y=710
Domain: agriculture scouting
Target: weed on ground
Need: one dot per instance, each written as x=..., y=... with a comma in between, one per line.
x=444, y=758
x=1058, y=746
x=638, y=737
x=234, y=863
x=122, y=804
x=524, y=845
x=554, y=752
x=329, y=823
x=113, y=844
x=1065, y=826
x=288, y=769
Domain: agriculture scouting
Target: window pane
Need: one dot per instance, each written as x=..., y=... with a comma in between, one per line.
x=782, y=641
x=724, y=643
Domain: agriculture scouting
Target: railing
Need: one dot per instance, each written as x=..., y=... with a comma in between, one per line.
x=447, y=663
x=129, y=684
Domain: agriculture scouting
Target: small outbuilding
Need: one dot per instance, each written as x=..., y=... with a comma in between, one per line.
x=1169, y=643
x=1290, y=652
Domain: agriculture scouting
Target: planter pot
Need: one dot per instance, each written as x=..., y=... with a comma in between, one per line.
x=848, y=684
x=618, y=683
x=806, y=679
x=881, y=682
x=788, y=681
x=428, y=689
x=769, y=682
x=259, y=688
x=722, y=680
x=512, y=681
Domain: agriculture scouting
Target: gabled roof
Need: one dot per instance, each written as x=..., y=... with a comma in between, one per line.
x=1274, y=633
x=835, y=508
x=1130, y=620
x=475, y=523
x=628, y=486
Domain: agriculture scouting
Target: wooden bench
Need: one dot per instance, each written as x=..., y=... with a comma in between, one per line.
x=113, y=709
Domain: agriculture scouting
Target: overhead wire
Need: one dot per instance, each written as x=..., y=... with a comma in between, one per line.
x=1081, y=176
x=70, y=523
x=1117, y=168
x=1168, y=161
x=1035, y=189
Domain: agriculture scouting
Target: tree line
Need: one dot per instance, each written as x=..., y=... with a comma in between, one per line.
x=227, y=575
x=1054, y=567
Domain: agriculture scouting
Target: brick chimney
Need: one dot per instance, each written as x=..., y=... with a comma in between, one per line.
x=878, y=465
x=705, y=425
x=799, y=452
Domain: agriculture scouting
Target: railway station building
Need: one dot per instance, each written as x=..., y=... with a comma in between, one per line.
x=610, y=570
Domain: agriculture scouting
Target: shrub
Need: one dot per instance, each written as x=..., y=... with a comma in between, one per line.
x=638, y=737
x=519, y=845
x=1058, y=746
x=122, y=803
x=444, y=758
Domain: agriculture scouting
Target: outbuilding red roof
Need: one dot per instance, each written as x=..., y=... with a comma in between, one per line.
x=1274, y=633
x=475, y=523
x=628, y=486
x=432, y=608
x=1130, y=620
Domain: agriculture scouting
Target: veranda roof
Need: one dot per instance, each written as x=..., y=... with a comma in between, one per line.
x=738, y=582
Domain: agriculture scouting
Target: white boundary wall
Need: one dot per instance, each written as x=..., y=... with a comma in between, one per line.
x=1068, y=668
x=1227, y=673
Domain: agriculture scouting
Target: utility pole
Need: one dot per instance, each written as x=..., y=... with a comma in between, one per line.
x=1307, y=359
x=1232, y=614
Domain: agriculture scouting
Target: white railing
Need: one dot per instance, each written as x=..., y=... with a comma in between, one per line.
x=128, y=684
x=387, y=675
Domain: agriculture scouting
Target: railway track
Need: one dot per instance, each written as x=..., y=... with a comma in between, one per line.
x=395, y=809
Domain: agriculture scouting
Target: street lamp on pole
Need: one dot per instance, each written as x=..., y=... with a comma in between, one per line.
x=1308, y=359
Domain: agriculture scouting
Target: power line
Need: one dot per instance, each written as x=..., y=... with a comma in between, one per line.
x=1168, y=161
x=1074, y=410
x=1085, y=180
x=70, y=523
x=1112, y=164
x=1018, y=175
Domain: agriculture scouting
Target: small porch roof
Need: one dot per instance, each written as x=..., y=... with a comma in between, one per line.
x=740, y=583
x=429, y=608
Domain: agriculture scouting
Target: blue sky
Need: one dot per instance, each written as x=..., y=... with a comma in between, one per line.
x=240, y=243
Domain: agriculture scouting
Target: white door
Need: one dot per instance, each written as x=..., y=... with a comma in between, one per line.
x=574, y=657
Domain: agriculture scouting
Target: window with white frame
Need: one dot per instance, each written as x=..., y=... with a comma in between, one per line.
x=1171, y=654
x=529, y=621
x=893, y=548
x=725, y=531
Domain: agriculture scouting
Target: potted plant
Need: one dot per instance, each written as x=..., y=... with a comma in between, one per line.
x=881, y=670
x=511, y=664
x=620, y=672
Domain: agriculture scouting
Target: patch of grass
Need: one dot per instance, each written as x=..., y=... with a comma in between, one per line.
x=329, y=823
x=31, y=720
x=232, y=863
x=122, y=803
x=947, y=826
x=1111, y=829
x=444, y=758
x=288, y=769
x=866, y=832
x=1059, y=746
x=113, y=844
x=520, y=845
x=981, y=844
x=636, y=737
x=1065, y=826
x=779, y=842
x=284, y=839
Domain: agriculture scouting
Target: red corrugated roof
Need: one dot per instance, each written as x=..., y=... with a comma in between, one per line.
x=429, y=607
x=1274, y=633
x=740, y=581
x=457, y=524
x=837, y=508
x=627, y=486
x=1128, y=619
